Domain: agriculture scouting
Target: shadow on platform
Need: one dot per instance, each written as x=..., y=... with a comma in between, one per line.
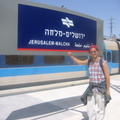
x=115, y=87
x=47, y=109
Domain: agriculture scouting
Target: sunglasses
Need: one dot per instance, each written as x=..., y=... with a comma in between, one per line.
x=93, y=52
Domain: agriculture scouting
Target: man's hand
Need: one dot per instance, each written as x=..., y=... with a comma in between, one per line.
x=108, y=92
x=69, y=54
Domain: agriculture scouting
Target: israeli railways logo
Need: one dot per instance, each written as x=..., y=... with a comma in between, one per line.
x=67, y=22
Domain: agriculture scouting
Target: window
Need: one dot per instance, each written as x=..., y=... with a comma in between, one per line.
x=19, y=59
x=104, y=54
x=82, y=57
x=108, y=56
x=54, y=59
x=115, y=58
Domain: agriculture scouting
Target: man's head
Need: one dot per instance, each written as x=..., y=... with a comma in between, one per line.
x=93, y=50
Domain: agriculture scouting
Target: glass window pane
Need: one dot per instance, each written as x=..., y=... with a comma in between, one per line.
x=82, y=57
x=19, y=59
x=54, y=59
x=108, y=56
x=115, y=58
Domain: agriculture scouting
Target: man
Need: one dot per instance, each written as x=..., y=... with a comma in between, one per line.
x=98, y=91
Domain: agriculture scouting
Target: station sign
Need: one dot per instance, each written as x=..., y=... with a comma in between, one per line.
x=31, y=28
x=41, y=29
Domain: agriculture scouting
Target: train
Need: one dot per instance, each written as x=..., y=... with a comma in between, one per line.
x=33, y=49
x=29, y=70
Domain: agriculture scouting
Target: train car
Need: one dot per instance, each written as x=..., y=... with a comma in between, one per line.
x=33, y=49
x=27, y=70
x=22, y=70
x=112, y=55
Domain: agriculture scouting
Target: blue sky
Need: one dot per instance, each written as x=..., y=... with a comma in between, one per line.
x=102, y=9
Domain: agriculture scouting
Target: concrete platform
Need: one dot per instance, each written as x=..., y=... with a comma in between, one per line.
x=61, y=103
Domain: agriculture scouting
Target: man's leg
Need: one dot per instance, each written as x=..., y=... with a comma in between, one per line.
x=100, y=101
x=91, y=107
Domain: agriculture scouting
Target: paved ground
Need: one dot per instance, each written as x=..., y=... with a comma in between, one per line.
x=60, y=103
